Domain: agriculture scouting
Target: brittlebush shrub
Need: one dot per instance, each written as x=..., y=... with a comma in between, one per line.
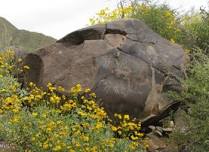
x=107, y=15
x=34, y=119
x=160, y=18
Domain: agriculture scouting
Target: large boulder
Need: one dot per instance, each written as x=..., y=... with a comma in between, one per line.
x=113, y=59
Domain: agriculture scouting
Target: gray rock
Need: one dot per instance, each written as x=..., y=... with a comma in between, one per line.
x=113, y=59
x=181, y=123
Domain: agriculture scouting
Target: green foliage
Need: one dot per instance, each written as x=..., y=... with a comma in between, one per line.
x=106, y=15
x=201, y=30
x=8, y=86
x=196, y=26
x=191, y=30
x=46, y=130
x=196, y=97
x=160, y=18
x=38, y=120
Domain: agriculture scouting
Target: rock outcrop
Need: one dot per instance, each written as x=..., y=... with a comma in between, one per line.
x=113, y=59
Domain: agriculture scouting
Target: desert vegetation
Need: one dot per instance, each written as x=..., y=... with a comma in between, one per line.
x=38, y=119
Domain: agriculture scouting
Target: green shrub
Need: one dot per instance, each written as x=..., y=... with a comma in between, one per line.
x=160, y=18
x=196, y=97
x=46, y=130
x=196, y=25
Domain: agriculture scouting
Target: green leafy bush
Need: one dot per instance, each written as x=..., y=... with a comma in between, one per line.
x=196, y=97
x=196, y=25
x=160, y=18
x=46, y=130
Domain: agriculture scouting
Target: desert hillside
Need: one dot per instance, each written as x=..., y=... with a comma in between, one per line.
x=10, y=36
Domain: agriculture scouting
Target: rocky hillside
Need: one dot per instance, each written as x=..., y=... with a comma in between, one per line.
x=10, y=36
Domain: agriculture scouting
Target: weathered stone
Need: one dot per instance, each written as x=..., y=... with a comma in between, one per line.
x=113, y=59
x=155, y=143
x=181, y=123
x=160, y=144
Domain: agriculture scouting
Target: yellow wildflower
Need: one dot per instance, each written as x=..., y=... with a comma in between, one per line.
x=45, y=145
x=87, y=90
x=55, y=99
x=57, y=148
x=126, y=117
x=34, y=114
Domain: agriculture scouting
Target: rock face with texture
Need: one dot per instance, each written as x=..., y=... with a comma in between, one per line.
x=114, y=60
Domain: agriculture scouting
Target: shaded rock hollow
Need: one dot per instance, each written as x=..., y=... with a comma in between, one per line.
x=114, y=60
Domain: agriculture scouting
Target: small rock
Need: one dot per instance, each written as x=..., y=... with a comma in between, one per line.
x=159, y=133
x=152, y=128
x=167, y=129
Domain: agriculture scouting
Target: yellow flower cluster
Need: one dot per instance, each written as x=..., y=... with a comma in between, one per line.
x=59, y=135
x=68, y=106
x=10, y=65
x=55, y=99
x=127, y=128
x=6, y=60
x=106, y=15
x=11, y=103
x=86, y=102
x=76, y=89
x=91, y=108
x=35, y=95
x=50, y=134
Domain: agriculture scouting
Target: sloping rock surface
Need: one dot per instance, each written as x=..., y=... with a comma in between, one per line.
x=114, y=60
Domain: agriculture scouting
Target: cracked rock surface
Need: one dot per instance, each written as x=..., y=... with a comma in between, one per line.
x=113, y=59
